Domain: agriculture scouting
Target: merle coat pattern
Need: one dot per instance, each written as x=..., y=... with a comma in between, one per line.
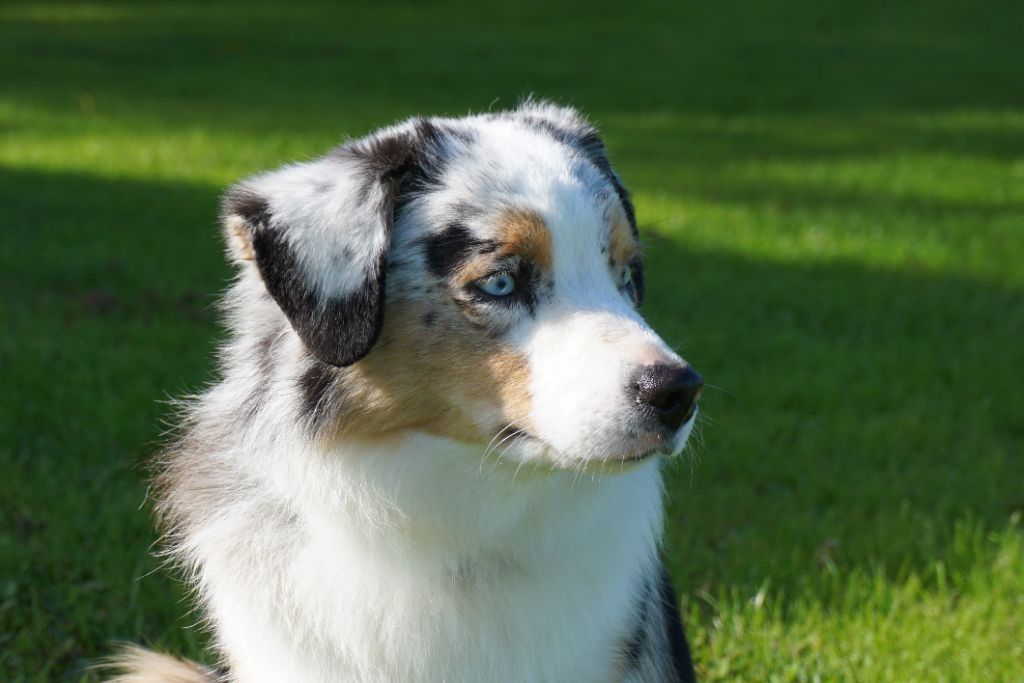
x=433, y=451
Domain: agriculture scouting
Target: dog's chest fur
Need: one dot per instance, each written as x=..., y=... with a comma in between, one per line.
x=543, y=587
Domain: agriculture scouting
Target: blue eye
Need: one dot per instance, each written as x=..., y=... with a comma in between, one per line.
x=499, y=284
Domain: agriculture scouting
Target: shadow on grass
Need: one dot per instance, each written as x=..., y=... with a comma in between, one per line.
x=108, y=309
x=861, y=411
x=262, y=66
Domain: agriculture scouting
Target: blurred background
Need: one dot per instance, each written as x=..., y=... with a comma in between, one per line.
x=832, y=198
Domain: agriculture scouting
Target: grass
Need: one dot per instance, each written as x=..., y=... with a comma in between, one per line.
x=833, y=199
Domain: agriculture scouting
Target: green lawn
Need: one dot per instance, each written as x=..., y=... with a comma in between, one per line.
x=833, y=200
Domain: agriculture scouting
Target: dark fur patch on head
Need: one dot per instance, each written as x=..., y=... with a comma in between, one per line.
x=446, y=250
x=627, y=202
x=411, y=161
x=385, y=159
x=338, y=331
x=564, y=135
x=430, y=132
x=463, y=212
x=436, y=144
x=592, y=146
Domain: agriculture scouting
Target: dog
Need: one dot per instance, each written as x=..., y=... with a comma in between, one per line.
x=434, y=451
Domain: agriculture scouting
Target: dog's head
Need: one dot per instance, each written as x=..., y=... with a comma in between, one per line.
x=473, y=278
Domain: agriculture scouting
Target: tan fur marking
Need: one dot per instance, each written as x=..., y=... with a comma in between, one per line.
x=457, y=383
x=473, y=269
x=521, y=233
x=622, y=244
x=137, y=665
x=511, y=373
x=524, y=233
x=239, y=239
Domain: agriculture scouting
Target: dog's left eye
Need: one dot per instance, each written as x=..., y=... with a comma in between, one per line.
x=499, y=284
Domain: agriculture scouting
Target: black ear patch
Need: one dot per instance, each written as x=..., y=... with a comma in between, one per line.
x=319, y=234
x=338, y=331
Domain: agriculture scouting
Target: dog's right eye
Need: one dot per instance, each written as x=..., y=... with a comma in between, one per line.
x=497, y=285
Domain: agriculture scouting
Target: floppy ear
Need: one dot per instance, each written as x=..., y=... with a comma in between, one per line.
x=572, y=128
x=318, y=233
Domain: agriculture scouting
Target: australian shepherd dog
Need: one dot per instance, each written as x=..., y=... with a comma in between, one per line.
x=433, y=453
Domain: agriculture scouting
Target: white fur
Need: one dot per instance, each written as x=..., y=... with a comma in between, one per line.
x=417, y=562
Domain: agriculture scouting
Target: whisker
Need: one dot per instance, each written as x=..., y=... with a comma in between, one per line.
x=708, y=385
x=576, y=475
x=515, y=435
x=487, y=448
x=518, y=467
x=497, y=436
x=492, y=446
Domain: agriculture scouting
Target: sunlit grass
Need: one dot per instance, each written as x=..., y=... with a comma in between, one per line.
x=948, y=624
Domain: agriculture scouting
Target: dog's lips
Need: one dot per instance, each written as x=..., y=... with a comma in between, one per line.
x=663, y=446
x=640, y=457
x=646, y=446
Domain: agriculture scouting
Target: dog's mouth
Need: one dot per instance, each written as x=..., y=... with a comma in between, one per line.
x=644, y=455
x=665, y=444
x=643, y=447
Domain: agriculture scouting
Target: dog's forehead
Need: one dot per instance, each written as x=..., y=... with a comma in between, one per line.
x=507, y=169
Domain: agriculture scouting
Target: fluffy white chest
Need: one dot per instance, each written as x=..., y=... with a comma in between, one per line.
x=435, y=572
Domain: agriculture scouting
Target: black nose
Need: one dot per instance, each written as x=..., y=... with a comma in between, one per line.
x=669, y=391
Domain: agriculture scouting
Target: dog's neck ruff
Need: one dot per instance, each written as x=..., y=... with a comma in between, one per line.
x=412, y=559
